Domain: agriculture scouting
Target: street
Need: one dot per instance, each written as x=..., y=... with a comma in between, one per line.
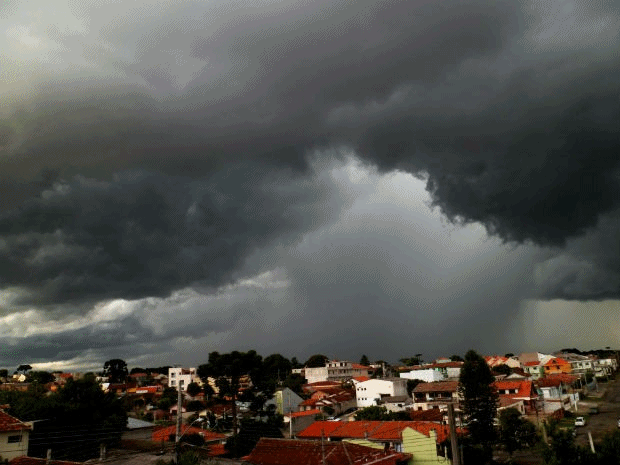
x=608, y=402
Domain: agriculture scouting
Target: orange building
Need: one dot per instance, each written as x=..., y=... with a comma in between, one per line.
x=557, y=365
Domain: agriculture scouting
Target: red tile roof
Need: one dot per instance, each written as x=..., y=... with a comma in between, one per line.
x=23, y=460
x=433, y=414
x=556, y=379
x=531, y=364
x=525, y=389
x=357, y=366
x=305, y=413
x=163, y=434
x=372, y=430
x=437, y=386
x=270, y=451
x=361, y=379
x=9, y=423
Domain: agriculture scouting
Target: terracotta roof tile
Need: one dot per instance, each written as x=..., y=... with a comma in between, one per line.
x=9, y=423
x=305, y=413
x=371, y=430
x=163, y=434
x=270, y=451
x=23, y=460
x=437, y=386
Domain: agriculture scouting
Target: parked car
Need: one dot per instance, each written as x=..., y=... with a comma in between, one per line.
x=580, y=421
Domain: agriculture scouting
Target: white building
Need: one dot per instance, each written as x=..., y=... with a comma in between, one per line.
x=14, y=436
x=335, y=370
x=179, y=376
x=427, y=375
x=369, y=393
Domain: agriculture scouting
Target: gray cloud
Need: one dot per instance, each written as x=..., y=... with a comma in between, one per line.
x=145, y=149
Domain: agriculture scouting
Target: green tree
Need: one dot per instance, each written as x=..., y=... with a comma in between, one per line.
x=502, y=369
x=251, y=431
x=456, y=358
x=373, y=413
x=4, y=373
x=193, y=389
x=514, y=431
x=295, y=363
x=316, y=361
x=227, y=370
x=79, y=410
x=411, y=361
x=480, y=401
x=364, y=360
x=40, y=377
x=23, y=368
x=116, y=370
x=168, y=398
x=295, y=382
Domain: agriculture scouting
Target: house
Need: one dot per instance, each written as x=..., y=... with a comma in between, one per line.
x=339, y=401
x=449, y=369
x=14, y=436
x=435, y=395
x=178, y=376
x=138, y=429
x=534, y=369
x=285, y=401
x=168, y=433
x=497, y=360
x=311, y=388
x=555, y=393
x=397, y=403
x=370, y=392
x=428, y=375
x=300, y=420
x=269, y=451
x=423, y=440
x=336, y=370
x=557, y=365
x=521, y=392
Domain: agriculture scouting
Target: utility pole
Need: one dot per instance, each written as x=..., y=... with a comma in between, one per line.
x=179, y=420
x=453, y=444
x=591, y=442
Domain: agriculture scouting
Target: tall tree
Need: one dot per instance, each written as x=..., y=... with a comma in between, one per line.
x=316, y=361
x=23, y=368
x=411, y=361
x=515, y=432
x=364, y=360
x=116, y=370
x=479, y=401
x=227, y=370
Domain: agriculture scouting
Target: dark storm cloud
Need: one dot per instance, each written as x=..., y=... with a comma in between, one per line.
x=146, y=235
x=511, y=124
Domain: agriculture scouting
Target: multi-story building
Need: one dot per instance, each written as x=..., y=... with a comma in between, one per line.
x=335, y=370
x=179, y=376
x=370, y=392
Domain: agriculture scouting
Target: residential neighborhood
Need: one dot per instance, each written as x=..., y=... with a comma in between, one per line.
x=267, y=410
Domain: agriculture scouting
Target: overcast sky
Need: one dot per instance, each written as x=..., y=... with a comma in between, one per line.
x=373, y=177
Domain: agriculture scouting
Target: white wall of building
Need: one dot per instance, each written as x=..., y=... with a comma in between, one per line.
x=181, y=376
x=428, y=375
x=368, y=392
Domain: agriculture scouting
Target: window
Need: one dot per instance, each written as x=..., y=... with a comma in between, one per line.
x=14, y=439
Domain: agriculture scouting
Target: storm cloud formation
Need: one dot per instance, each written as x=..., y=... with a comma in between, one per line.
x=149, y=148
